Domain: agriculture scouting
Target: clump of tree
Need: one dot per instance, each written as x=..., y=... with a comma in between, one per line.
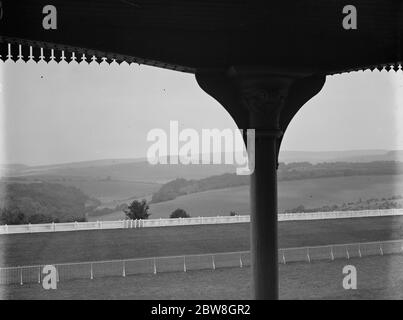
x=22, y=203
x=179, y=187
x=179, y=213
x=171, y=190
x=137, y=210
x=14, y=216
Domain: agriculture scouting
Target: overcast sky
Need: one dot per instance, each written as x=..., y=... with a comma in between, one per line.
x=63, y=113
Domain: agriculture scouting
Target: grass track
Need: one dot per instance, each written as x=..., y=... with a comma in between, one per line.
x=78, y=246
x=379, y=277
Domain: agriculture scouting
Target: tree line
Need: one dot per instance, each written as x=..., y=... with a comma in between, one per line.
x=286, y=172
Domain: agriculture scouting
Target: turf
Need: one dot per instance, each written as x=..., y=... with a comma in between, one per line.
x=79, y=246
x=379, y=277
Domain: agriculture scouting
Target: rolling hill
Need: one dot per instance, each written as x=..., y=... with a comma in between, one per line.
x=310, y=193
x=141, y=170
x=118, y=181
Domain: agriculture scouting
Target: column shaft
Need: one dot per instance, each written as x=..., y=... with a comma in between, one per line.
x=263, y=193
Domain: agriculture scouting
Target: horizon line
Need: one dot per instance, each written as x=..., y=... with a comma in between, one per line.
x=140, y=159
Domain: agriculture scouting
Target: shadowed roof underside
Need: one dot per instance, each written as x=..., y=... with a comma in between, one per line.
x=189, y=35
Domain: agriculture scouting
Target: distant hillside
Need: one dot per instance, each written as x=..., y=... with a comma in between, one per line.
x=393, y=202
x=306, y=170
x=286, y=172
x=335, y=156
x=139, y=170
x=396, y=155
x=179, y=187
x=41, y=202
x=303, y=194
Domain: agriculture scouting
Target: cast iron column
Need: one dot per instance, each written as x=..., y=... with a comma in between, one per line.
x=263, y=195
x=266, y=101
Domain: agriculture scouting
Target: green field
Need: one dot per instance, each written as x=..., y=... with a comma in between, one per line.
x=379, y=277
x=79, y=246
x=311, y=193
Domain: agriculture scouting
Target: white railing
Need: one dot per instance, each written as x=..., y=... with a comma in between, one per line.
x=122, y=268
x=129, y=224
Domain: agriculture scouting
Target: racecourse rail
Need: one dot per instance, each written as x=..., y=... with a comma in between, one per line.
x=128, y=224
x=123, y=268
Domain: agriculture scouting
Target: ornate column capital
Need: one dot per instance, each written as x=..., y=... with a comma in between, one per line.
x=264, y=104
x=262, y=100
